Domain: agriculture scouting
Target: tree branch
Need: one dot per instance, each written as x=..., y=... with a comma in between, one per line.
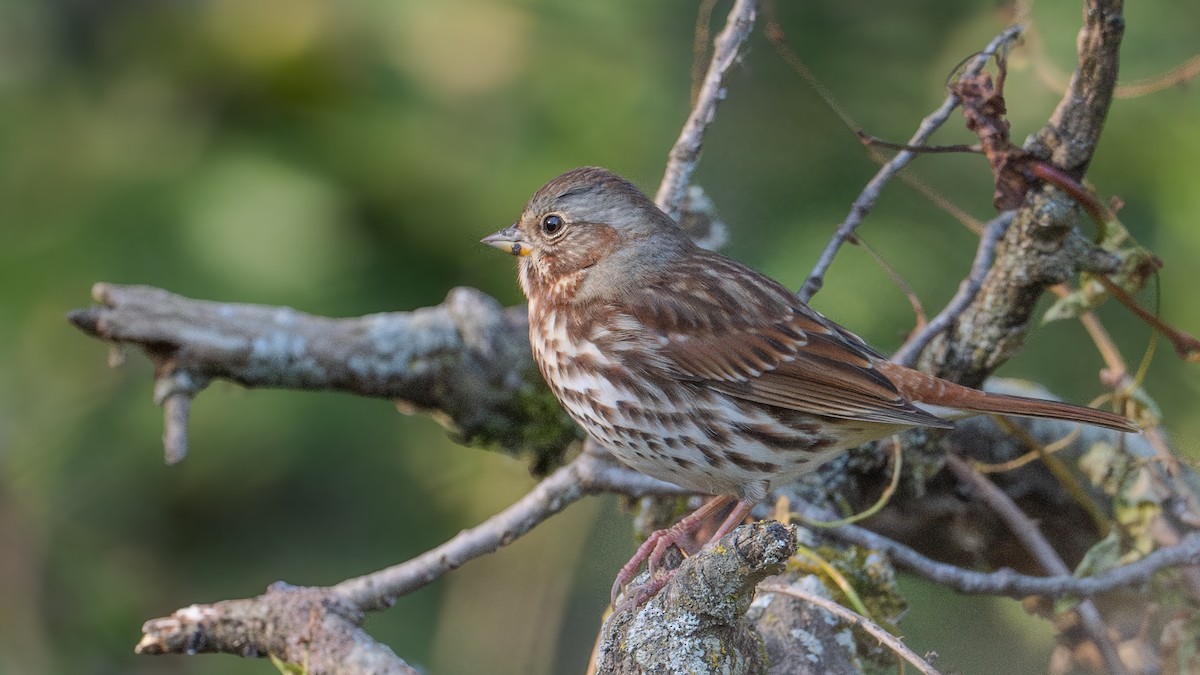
x=698, y=623
x=1031, y=537
x=467, y=360
x=874, y=188
x=300, y=626
x=1042, y=247
x=593, y=472
x=685, y=154
x=1006, y=582
x=321, y=626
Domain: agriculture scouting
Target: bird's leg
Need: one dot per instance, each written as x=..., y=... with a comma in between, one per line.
x=657, y=581
x=658, y=543
x=735, y=518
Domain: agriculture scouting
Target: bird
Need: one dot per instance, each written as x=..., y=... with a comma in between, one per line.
x=697, y=370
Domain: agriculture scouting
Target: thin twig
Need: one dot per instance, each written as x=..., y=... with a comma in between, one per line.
x=700, y=45
x=870, y=194
x=1179, y=75
x=593, y=472
x=858, y=620
x=1007, y=583
x=960, y=148
x=1186, y=346
x=174, y=389
x=942, y=202
x=681, y=161
x=1033, y=540
x=914, y=301
x=897, y=463
x=967, y=290
x=1184, y=504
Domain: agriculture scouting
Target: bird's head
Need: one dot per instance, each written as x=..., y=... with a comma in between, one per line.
x=586, y=233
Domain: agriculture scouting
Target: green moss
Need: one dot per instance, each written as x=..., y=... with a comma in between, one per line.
x=530, y=424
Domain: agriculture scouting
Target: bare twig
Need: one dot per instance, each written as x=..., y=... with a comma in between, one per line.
x=967, y=290
x=1007, y=583
x=914, y=301
x=1179, y=75
x=244, y=626
x=593, y=472
x=876, y=142
x=174, y=389
x=870, y=194
x=1186, y=346
x=1031, y=537
x=891, y=641
x=681, y=161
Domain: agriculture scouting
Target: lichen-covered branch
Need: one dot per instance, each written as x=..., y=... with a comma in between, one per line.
x=304, y=627
x=466, y=361
x=698, y=622
x=1042, y=247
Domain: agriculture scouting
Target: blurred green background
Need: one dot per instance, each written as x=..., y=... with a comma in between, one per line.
x=345, y=158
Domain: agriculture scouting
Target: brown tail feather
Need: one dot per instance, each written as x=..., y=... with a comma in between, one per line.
x=921, y=388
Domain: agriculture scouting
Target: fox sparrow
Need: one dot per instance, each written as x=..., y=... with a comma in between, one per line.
x=695, y=369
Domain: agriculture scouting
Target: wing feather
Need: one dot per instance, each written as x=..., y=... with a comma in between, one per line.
x=771, y=348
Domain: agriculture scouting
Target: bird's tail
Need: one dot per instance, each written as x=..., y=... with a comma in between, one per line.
x=921, y=388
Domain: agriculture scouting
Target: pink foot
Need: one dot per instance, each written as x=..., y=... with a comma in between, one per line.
x=658, y=543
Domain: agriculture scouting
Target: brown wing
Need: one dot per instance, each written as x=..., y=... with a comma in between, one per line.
x=743, y=334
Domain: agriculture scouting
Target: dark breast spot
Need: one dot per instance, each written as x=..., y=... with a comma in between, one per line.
x=713, y=432
x=715, y=458
x=748, y=464
x=778, y=439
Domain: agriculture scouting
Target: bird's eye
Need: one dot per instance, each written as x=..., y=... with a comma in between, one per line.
x=552, y=224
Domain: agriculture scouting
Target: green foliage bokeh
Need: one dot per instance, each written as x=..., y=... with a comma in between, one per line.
x=345, y=158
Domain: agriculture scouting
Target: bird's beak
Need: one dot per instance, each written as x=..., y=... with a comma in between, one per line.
x=509, y=239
